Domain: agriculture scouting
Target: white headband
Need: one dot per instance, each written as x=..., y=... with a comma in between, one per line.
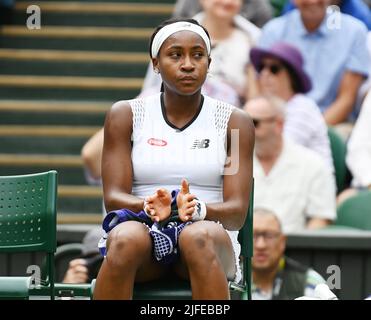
x=170, y=29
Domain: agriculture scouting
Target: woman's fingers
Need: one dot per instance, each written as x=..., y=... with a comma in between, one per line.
x=184, y=186
x=160, y=192
x=148, y=208
x=190, y=204
x=189, y=211
x=149, y=199
x=187, y=200
x=186, y=214
x=163, y=193
x=190, y=197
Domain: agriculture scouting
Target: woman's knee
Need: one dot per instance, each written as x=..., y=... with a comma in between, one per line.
x=197, y=244
x=127, y=243
x=206, y=246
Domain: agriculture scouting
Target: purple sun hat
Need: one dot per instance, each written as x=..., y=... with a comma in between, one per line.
x=288, y=54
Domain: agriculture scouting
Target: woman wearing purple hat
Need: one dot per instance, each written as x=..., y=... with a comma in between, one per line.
x=280, y=72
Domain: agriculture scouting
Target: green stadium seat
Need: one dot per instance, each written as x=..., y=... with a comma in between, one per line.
x=338, y=150
x=355, y=212
x=28, y=224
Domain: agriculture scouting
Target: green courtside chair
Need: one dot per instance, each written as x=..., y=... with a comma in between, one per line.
x=355, y=212
x=338, y=150
x=28, y=224
x=178, y=289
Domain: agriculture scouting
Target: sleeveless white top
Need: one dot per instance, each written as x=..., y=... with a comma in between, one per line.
x=162, y=154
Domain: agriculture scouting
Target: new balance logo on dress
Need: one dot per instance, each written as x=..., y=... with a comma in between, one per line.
x=201, y=144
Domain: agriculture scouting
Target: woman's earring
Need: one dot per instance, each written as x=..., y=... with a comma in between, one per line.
x=156, y=70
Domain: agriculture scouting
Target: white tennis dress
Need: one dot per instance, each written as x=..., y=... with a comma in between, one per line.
x=162, y=154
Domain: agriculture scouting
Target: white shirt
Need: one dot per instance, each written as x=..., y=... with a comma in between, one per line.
x=162, y=155
x=229, y=59
x=305, y=125
x=358, y=156
x=299, y=186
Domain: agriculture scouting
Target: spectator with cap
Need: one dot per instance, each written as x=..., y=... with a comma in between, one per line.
x=280, y=70
x=290, y=178
x=334, y=50
x=276, y=276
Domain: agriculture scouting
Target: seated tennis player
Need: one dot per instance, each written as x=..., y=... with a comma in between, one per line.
x=177, y=173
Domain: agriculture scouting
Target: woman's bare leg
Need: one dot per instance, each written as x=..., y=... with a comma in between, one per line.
x=129, y=258
x=207, y=258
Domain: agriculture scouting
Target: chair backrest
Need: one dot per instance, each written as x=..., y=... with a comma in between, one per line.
x=355, y=212
x=28, y=212
x=338, y=150
x=28, y=220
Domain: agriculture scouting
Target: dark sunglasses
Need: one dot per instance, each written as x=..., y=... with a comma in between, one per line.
x=257, y=122
x=273, y=68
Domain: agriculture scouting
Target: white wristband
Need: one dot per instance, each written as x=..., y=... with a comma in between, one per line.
x=200, y=211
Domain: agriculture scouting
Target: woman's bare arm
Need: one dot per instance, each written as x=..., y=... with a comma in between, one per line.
x=117, y=171
x=238, y=176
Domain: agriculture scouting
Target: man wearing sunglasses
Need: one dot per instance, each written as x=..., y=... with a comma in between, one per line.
x=288, y=177
x=276, y=276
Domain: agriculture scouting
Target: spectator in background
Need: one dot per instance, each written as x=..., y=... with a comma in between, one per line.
x=358, y=157
x=275, y=276
x=91, y=154
x=6, y=11
x=290, y=178
x=85, y=268
x=334, y=52
x=355, y=8
x=280, y=73
x=257, y=11
x=232, y=37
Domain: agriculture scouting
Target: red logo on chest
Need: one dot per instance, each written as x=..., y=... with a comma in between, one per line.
x=157, y=142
